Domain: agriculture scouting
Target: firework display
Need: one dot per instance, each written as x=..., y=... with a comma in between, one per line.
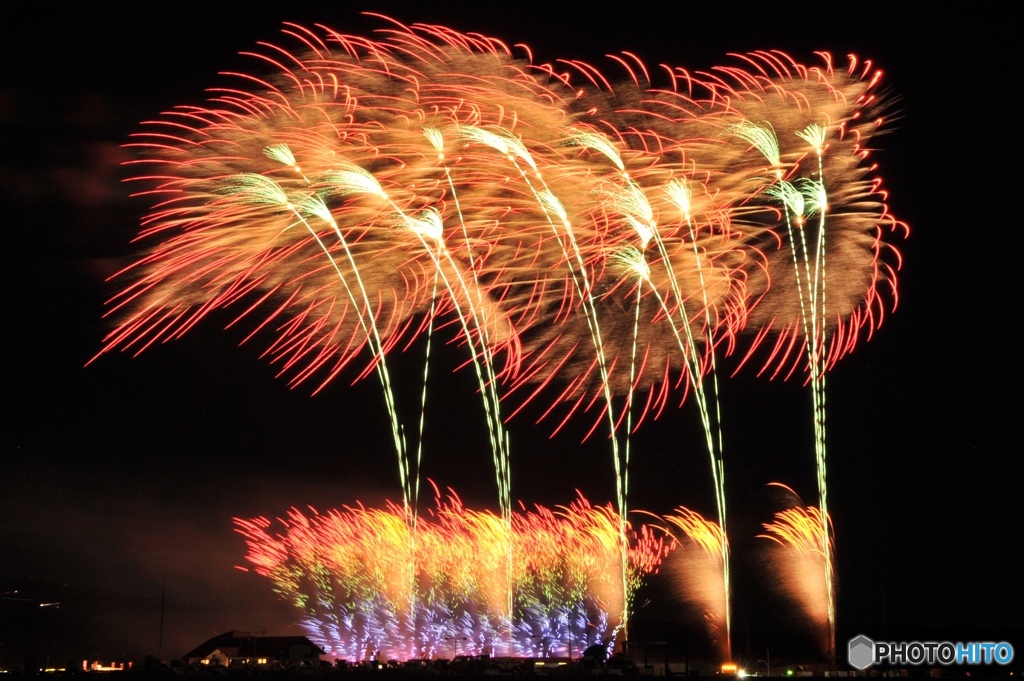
x=696, y=569
x=323, y=201
x=595, y=243
x=800, y=553
x=371, y=588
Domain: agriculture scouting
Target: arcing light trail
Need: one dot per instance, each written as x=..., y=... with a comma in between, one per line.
x=437, y=176
x=802, y=199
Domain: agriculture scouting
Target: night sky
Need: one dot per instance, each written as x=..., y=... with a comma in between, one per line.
x=119, y=480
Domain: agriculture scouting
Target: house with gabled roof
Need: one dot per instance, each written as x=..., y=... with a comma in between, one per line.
x=242, y=649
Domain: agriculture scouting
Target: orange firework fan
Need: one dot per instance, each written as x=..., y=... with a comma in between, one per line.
x=335, y=199
x=802, y=556
x=697, y=570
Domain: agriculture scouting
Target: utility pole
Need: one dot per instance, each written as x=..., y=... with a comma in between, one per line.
x=163, y=603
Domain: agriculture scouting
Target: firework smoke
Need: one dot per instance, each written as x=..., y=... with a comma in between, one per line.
x=697, y=571
x=801, y=555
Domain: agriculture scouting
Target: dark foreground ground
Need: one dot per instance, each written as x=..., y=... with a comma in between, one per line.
x=593, y=674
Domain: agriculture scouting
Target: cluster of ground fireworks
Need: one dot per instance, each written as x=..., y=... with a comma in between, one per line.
x=594, y=247
x=371, y=585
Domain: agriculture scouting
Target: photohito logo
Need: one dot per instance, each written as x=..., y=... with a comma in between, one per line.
x=863, y=652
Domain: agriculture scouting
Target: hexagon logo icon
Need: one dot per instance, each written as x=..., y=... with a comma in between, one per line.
x=861, y=653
